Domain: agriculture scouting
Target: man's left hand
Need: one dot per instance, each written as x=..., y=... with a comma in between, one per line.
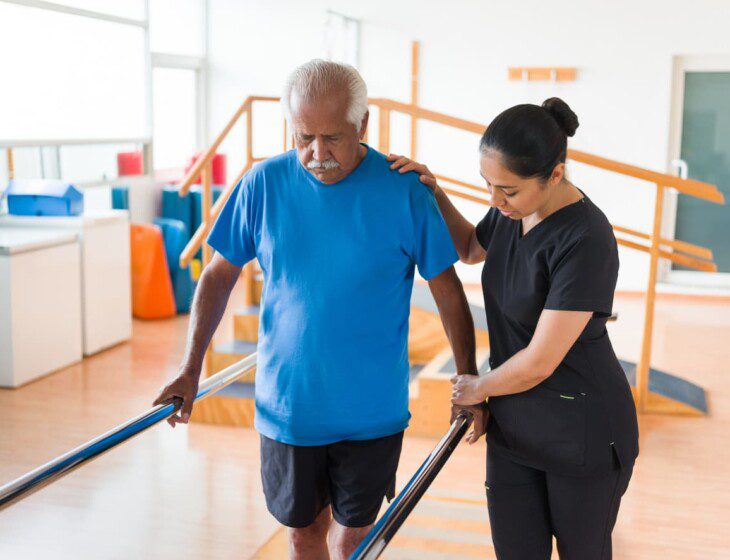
x=480, y=414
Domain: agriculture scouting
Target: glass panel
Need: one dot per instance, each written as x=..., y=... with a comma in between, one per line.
x=91, y=162
x=706, y=149
x=70, y=76
x=176, y=26
x=174, y=117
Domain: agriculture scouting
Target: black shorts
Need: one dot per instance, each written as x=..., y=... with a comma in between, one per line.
x=352, y=476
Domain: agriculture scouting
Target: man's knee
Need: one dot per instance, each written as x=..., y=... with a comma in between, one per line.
x=344, y=540
x=306, y=542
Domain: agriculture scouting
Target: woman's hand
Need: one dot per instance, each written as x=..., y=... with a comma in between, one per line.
x=404, y=165
x=467, y=390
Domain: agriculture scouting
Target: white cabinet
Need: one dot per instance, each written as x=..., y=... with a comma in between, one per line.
x=40, y=303
x=106, y=299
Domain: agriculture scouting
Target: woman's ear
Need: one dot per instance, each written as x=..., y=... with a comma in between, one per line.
x=557, y=175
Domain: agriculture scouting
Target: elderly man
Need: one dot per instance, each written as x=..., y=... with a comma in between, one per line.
x=338, y=236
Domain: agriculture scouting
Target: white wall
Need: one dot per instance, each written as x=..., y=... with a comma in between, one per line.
x=623, y=52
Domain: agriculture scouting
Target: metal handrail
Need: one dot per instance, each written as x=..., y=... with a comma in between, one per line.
x=385, y=529
x=60, y=466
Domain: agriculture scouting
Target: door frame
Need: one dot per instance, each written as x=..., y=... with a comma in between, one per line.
x=682, y=64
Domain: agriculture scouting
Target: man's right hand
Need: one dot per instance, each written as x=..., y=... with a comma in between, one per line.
x=184, y=387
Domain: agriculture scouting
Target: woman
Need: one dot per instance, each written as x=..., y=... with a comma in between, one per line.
x=562, y=435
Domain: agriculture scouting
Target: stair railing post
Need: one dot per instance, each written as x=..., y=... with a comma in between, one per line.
x=644, y=365
x=11, y=164
x=384, y=130
x=205, y=205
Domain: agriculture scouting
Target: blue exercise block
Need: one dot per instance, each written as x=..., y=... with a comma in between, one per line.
x=44, y=198
x=196, y=195
x=176, y=208
x=197, y=203
x=175, y=238
x=120, y=197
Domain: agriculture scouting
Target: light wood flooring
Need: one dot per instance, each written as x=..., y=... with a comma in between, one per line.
x=195, y=492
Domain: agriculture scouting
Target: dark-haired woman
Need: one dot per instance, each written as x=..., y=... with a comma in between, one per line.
x=562, y=435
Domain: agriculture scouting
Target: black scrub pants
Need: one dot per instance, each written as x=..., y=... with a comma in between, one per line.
x=528, y=506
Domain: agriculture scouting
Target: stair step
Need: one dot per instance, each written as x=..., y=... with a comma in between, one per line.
x=238, y=390
x=449, y=367
x=247, y=310
x=236, y=347
x=246, y=323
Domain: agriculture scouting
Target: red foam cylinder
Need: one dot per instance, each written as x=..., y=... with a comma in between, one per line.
x=129, y=163
x=218, y=165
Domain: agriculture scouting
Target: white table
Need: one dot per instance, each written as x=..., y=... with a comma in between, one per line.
x=106, y=298
x=40, y=303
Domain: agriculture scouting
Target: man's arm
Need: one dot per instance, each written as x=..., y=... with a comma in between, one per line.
x=458, y=323
x=450, y=299
x=211, y=297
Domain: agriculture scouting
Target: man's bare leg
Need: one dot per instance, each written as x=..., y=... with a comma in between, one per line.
x=344, y=540
x=310, y=543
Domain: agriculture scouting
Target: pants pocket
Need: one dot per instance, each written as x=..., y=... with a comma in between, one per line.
x=550, y=426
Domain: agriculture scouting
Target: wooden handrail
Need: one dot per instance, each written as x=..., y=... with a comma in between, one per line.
x=692, y=187
x=199, y=236
x=459, y=183
x=203, y=160
x=683, y=246
x=678, y=258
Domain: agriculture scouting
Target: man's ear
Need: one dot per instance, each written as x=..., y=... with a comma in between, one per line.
x=364, y=125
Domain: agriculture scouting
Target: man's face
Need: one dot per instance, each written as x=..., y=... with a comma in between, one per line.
x=328, y=146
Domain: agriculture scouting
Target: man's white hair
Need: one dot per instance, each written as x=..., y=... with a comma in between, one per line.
x=321, y=77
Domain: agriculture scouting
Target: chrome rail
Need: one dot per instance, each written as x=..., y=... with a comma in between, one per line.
x=60, y=466
x=387, y=526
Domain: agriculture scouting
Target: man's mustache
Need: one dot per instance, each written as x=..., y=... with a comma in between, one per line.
x=326, y=164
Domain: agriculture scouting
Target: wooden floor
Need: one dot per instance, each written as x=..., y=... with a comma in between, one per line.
x=195, y=493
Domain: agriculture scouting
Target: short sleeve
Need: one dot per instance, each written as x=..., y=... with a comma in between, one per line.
x=485, y=228
x=584, y=276
x=232, y=234
x=433, y=249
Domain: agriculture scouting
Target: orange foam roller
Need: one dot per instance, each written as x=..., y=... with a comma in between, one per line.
x=152, y=295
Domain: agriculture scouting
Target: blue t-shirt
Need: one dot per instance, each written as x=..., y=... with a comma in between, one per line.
x=338, y=264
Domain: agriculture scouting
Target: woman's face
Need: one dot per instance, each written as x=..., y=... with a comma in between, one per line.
x=515, y=196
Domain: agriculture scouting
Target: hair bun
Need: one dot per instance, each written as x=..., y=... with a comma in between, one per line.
x=563, y=114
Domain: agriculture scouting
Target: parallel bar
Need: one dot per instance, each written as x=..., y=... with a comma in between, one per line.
x=61, y=466
x=386, y=528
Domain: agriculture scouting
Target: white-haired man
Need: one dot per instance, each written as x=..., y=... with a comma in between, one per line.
x=338, y=236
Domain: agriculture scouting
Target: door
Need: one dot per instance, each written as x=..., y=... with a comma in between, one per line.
x=702, y=130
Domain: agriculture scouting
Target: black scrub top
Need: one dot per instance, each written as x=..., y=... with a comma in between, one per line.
x=574, y=421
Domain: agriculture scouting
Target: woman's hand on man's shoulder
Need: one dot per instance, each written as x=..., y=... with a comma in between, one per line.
x=403, y=165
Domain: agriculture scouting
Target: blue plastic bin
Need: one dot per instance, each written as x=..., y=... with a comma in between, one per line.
x=44, y=198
